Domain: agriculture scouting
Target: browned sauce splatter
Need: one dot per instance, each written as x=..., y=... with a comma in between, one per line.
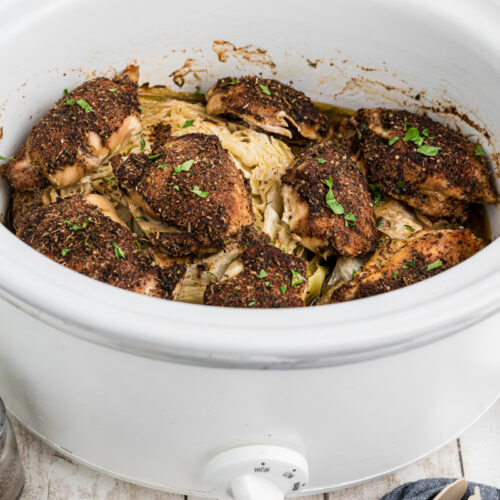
x=248, y=53
x=189, y=67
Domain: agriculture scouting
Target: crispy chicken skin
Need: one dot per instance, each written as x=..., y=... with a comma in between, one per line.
x=83, y=127
x=304, y=196
x=439, y=186
x=193, y=186
x=268, y=104
x=398, y=263
x=261, y=277
x=84, y=233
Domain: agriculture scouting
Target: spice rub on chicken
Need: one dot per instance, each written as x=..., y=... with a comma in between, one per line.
x=85, y=126
x=327, y=203
x=268, y=104
x=84, y=233
x=417, y=160
x=192, y=186
x=399, y=263
x=263, y=276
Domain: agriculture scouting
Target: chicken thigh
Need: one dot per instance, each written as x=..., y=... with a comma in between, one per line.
x=327, y=203
x=85, y=126
x=401, y=262
x=417, y=160
x=263, y=276
x=268, y=104
x=84, y=233
x=192, y=187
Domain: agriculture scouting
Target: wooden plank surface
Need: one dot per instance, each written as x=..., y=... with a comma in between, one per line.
x=51, y=477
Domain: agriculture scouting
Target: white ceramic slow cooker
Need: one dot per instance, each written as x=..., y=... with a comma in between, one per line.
x=151, y=391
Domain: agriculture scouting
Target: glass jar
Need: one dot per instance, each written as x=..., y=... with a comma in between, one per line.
x=11, y=468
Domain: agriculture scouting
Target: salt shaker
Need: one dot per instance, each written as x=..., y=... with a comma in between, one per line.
x=11, y=468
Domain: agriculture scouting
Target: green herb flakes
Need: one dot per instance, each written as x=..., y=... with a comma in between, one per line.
x=360, y=130
x=176, y=187
x=376, y=193
x=266, y=283
x=395, y=274
x=250, y=304
x=283, y=289
x=410, y=263
x=118, y=251
x=400, y=184
x=428, y=150
x=264, y=89
x=434, y=265
x=65, y=92
x=297, y=278
x=65, y=251
x=330, y=200
x=84, y=105
x=69, y=101
x=183, y=167
x=143, y=143
x=393, y=140
x=196, y=190
x=410, y=228
x=478, y=150
x=187, y=124
x=138, y=245
x=156, y=156
x=112, y=90
x=262, y=274
x=350, y=220
x=233, y=81
x=320, y=160
x=6, y=158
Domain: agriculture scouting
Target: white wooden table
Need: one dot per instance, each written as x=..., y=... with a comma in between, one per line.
x=476, y=455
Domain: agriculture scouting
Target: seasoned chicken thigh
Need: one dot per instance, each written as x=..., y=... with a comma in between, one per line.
x=419, y=161
x=327, y=203
x=84, y=233
x=268, y=104
x=398, y=263
x=191, y=186
x=263, y=276
x=84, y=127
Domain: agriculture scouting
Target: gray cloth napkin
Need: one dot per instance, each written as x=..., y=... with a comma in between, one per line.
x=426, y=489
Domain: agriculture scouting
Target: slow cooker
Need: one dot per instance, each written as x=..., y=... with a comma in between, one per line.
x=211, y=401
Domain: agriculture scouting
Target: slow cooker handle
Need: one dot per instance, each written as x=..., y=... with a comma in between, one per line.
x=257, y=472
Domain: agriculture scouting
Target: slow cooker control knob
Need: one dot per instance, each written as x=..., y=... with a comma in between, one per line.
x=257, y=472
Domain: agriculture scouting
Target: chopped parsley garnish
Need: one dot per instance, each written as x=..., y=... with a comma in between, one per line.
x=376, y=193
x=142, y=218
x=320, y=160
x=283, y=289
x=405, y=123
x=428, y=150
x=143, y=143
x=350, y=219
x=410, y=263
x=84, y=105
x=196, y=190
x=395, y=274
x=297, y=278
x=69, y=101
x=264, y=89
x=360, y=130
x=138, y=245
x=162, y=165
x=73, y=226
x=64, y=252
x=176, y=187
x=262, y=274
x=156, y=156
x=330, y=200
x=65, y=92
x=183, y=167
x=393, y=140
x=434, y=265
x=412, y=135
x=478, y=150
x=353, y=273
x=198, y=91
x=118, y=251
x=139, y=108
x=233, y=80
x=250, y=304
x=400, y=184
x=380, y=223
x=86, y=241
x=410, y=228
x=4, y=158
x=112, y=90
x=187, y=124
x=266, y=283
